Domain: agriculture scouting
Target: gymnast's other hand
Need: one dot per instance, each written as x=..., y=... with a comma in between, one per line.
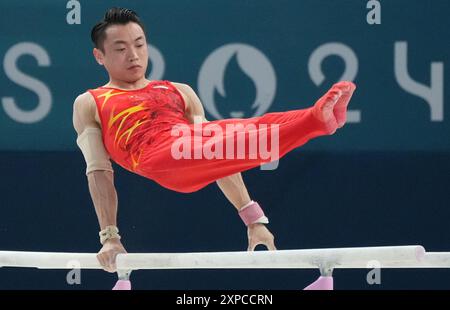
x=107, y=254
x=259, y=234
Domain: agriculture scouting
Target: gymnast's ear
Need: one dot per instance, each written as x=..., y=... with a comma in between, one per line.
x=98, y=54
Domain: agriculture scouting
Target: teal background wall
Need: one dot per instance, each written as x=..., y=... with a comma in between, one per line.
x=207, y=43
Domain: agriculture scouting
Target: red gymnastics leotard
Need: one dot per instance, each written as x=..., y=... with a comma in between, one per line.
x=137, y=133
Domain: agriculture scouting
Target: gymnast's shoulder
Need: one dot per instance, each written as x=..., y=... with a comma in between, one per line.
x=84, y=111
x=182, y=87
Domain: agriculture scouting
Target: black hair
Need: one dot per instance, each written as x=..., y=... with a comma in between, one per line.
x=114, y=16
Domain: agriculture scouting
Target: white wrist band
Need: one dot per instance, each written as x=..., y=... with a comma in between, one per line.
x=110, y=232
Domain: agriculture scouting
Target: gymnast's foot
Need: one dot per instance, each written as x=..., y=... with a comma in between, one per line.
x=340, y=109
x=332, y=107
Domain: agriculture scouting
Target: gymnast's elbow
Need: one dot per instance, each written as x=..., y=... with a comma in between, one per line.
x=94, y=152
x=95, y=155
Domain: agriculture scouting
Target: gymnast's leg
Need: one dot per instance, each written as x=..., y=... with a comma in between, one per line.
x=296, y=127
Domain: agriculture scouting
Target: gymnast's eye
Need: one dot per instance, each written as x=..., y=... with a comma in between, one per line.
x=120, y=49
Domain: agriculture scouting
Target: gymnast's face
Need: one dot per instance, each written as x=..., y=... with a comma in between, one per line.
x=125, y=52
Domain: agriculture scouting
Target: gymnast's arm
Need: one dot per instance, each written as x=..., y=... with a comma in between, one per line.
x=100, y=178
